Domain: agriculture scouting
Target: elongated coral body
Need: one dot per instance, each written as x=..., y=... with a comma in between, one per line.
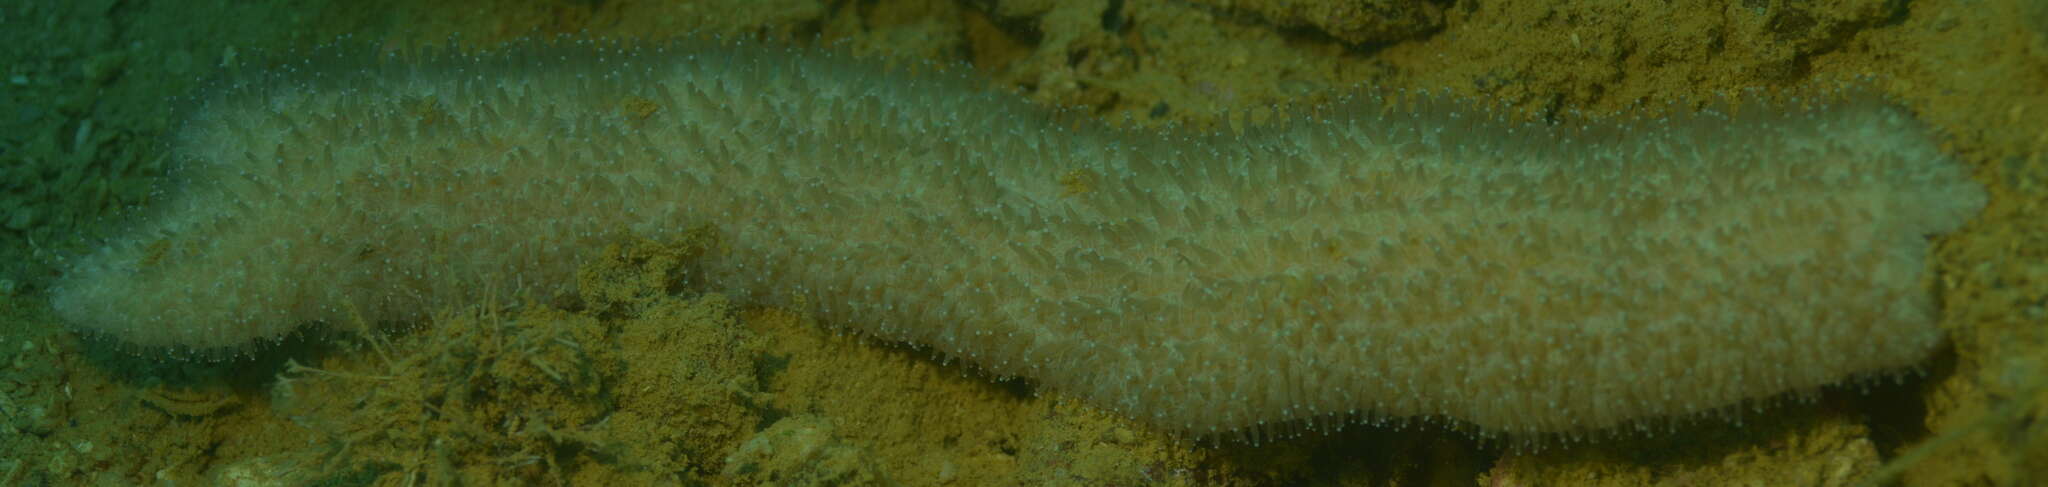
x=1382, y=258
